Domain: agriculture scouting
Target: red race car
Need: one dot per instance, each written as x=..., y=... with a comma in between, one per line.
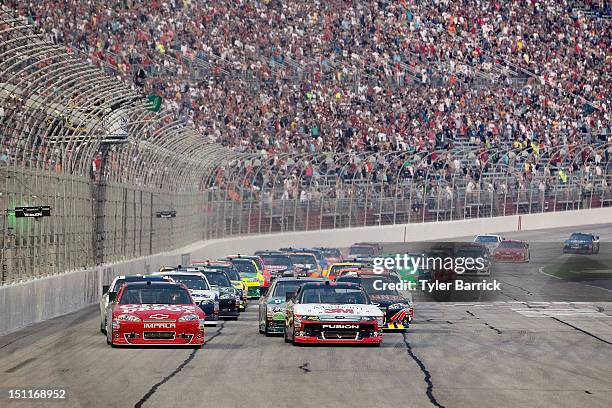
x=154, y=313
x=512, y=251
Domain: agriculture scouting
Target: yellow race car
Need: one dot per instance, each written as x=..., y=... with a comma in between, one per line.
x=250, y=274
x=232, y=273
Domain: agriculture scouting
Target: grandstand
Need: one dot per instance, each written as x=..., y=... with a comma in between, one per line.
x=298, y=115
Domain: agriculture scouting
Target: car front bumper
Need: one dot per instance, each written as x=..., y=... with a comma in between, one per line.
x=134, y=334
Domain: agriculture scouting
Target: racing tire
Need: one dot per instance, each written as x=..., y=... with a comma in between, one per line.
x=109, y=341
x=261, y=331
x=103, y=326
x=286, y=336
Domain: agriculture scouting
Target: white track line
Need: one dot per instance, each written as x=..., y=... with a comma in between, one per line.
x=599, y=287
x=547, y=274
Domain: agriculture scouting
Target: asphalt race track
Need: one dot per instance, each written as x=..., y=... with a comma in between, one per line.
x=542, y=342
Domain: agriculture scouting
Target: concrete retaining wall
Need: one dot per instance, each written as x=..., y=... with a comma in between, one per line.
x=33, y=301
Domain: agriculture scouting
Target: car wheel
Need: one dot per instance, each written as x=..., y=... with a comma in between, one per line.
x=287, y=335
x=261, y=331
x=267, y=329
x=109, y=337
x=103, y=325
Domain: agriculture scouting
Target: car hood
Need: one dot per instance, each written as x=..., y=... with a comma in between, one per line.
x=386, y=300
x=224, y=289
x=276, y=268
x=305, y=266
x=157, y=311
x=332, y=312
x=276, y=302
x=209, y=294
x=239, y=284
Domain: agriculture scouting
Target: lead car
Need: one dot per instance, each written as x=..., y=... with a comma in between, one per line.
x=324, y=312
x=155, y=313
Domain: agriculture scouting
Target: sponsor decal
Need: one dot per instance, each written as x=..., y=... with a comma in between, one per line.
x=339, y=310
x=340, y=326
x=156, y=307
x=159, y=325
x=159, y=316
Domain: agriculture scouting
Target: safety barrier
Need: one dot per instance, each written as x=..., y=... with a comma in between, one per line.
x=101, y=156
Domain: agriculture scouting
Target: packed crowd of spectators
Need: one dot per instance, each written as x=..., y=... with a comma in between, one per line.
x=510, y=82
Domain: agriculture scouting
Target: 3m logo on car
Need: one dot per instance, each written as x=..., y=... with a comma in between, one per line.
x=159, y=325
x=345, y=311
x=340, y=326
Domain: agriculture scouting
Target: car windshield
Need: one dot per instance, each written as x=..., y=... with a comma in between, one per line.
x=230, y=271
x=193, y=282
x=372, y=286
x=471, y=252
x=303, y=259
x=120, y=282
x=331, y=252
x=277, y=260
x=282, y=288
x=217, y=278
x=318, y=255
x=165, y=295
x=245, y=268
x=487, y=239
x=580, y=237
x=511, y=244
x=361, y=250
x=333, y=295
x=258, y=263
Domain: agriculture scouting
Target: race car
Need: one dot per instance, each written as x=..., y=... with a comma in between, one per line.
x=262, y=268
x=480, y=264
x=272, y=305
x=229, y=299
x=305, y=264
x=232, y=273
x=277, y=262
x=321, y=260
x=112, y=290
x=512, y=251
x=331, y=255
x=581, y=243
x=364, y=250
x=329, y=312
x=398, y=309
x=332, y=270
x=202, y=293
x=358, y=270
x=154, y=313
x=415, y=268
x=250, y=275
x=491, y=241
